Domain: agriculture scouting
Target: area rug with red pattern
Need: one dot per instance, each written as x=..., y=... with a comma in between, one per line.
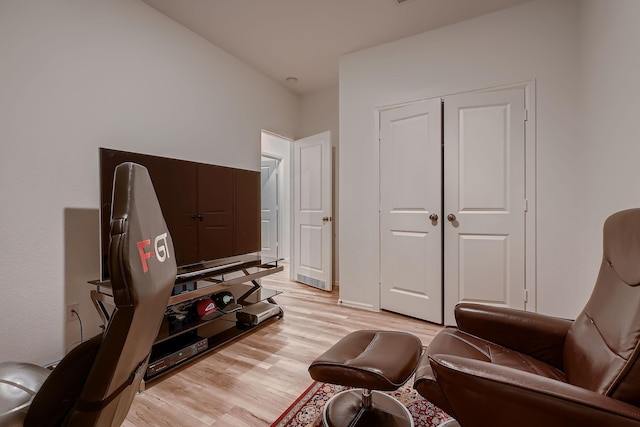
x=306, y=411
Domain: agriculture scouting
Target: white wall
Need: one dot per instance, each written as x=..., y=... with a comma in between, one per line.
x=78, y=75
x=611, y=136
x=540, y=41
x=319, y=112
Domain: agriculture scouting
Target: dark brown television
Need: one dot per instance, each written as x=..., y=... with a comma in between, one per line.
x=212, y=211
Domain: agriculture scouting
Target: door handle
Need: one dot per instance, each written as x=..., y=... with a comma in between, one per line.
x=451, y=217
x=326, y=219
x=433, y=217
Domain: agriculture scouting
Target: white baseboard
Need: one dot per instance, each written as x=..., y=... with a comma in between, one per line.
x=354, y=304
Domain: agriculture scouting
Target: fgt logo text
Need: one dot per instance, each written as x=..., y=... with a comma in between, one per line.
x=160, y=250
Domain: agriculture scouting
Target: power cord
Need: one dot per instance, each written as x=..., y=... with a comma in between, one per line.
x=52, y=365
x=79, y=321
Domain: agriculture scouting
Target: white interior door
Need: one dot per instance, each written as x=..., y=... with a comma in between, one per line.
x=484, y=188
x=313, y=243
x=269, y=207
x=410, y=205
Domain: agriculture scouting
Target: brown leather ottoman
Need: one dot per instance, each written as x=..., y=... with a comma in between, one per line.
x=369, y=360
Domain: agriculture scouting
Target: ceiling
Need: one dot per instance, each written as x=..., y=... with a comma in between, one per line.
x=305, y=38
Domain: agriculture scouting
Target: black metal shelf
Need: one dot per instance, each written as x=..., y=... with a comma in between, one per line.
x=183, y=336
x=244, y=294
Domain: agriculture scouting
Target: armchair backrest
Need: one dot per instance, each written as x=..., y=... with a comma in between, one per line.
x=602, y=348
x=95, y=383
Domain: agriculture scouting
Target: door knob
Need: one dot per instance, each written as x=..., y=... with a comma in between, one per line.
x=326, y=218
x=433, y=217
x=451, y=217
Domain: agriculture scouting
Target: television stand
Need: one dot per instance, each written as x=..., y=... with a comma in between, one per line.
x=242, y=305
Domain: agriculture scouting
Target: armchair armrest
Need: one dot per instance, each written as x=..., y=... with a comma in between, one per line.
x=481, y=394
x=533, y=334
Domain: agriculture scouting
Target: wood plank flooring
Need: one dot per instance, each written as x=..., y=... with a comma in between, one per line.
x=250, y=382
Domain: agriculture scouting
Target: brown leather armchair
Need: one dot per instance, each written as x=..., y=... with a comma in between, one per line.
x=96, y=382
x=504, y=367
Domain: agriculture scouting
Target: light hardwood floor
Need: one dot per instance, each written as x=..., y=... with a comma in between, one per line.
x=251, y=381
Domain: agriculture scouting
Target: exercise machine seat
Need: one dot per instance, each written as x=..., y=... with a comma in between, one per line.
x=95, y=383
x=505, y=367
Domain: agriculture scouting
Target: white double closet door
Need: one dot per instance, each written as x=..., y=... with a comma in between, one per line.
x=452, y=204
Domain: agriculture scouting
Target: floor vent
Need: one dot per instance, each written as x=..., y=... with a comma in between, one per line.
x=316, y=283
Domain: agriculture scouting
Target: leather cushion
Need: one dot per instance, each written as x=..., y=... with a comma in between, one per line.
x=621, y=236
x=602, y=347
x=375, y=360
x=452, y=341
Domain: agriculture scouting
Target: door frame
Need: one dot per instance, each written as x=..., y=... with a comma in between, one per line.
x=321, y=277
x=285, y=183
x=279, y=228
x=529, y=88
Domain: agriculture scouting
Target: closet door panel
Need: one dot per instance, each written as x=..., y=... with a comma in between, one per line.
x=484, y=187
x=410, y=203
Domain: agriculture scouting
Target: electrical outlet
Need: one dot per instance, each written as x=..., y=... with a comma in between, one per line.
x=70, y=309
